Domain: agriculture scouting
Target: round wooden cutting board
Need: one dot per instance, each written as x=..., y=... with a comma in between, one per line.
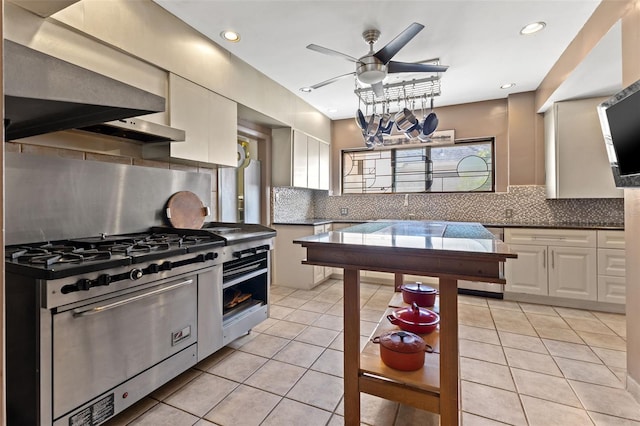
x=186, y=210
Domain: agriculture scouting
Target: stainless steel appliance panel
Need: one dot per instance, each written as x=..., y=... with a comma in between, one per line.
x=251, y=198
x=209, y=312
x=99, y=346
x=51, y=198
x=133, y=390
x=227, y=194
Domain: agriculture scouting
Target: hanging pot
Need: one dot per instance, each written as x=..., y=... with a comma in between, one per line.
x=430, y=124
x=360, y=120
x=421, y=294
x=374, y=125
x=415, y=319
x=402, y=350
x=405, y=119
x=413, y=131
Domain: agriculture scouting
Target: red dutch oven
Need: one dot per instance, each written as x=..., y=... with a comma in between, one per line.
x=415, y=319
x=402, y=350
x=417, y=292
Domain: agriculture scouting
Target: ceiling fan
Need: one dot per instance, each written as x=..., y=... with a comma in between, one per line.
x=373, y=67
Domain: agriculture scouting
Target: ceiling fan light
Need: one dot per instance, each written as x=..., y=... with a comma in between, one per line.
x=231, y=36
x=533, y=28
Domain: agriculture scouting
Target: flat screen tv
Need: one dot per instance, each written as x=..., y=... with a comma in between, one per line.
x=620, y=122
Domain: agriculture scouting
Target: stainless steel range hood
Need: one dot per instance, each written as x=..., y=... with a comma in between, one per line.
x=45, y=94
x=138, y=130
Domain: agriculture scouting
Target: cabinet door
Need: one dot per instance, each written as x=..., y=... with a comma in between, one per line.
x=299, y=160
x=527, y=273
x=313, y=163
x=611, y=262
x=572, y=273
x=187, y=111
x=325, y=168
x=222, y=124
x=612, y=289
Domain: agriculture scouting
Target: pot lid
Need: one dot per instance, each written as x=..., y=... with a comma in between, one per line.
x=418, y=287
x=402, y=341
x=416, y=315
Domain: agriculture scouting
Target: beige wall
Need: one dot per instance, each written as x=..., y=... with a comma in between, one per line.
x=526, y=141
x=630, y=74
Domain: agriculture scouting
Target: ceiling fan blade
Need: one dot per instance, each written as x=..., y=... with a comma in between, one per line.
x=394, y=67
x=387, y=52
x=331, y=80
x=330, y=52
x=378, y=90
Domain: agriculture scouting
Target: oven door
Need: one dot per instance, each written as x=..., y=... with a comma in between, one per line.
x=98, y=346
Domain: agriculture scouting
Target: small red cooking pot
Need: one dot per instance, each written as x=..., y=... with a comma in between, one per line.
x=415, y=319
x=402, y=350
x=417, y=292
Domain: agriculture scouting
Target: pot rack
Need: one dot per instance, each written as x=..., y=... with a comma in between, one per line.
x=411, y=91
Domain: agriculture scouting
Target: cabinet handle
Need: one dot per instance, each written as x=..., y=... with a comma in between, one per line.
x=544, y=258
x=553, y=259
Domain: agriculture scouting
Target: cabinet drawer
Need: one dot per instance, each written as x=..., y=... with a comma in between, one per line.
x=611, y=239
x=611, y=262
x=551, y=237
x=612, y=289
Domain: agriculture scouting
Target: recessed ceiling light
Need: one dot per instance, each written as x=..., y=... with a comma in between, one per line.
x=507, y=86
x=231, y=36
x=533, y=28
x=306, y=89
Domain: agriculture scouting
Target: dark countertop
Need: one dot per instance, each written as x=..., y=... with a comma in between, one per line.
x=554, y=225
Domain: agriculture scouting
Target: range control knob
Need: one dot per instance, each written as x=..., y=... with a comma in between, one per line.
x=103, y=279
x=135, y=274
x=166, y=266
x=83, y=284
x=153, y=268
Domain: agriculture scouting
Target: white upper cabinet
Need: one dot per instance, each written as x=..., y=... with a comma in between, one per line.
x=209, y=120
x=299, y=160
x=575, y=157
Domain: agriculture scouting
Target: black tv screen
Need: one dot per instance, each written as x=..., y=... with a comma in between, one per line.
x=620, y=122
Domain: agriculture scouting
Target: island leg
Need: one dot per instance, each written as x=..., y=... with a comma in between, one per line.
x=448, y=352
x=351, y=347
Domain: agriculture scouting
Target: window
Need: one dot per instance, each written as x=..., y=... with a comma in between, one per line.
x=466, y=166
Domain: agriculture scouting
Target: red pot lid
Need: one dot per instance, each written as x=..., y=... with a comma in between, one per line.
x=418, y=288
x=402, y=341
x=416, y=315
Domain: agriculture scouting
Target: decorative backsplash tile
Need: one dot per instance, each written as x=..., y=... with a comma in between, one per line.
x=527, y=204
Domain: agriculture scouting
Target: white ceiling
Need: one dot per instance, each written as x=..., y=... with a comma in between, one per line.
x=478, y=39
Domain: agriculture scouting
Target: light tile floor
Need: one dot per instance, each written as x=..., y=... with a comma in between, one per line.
x=520, y=364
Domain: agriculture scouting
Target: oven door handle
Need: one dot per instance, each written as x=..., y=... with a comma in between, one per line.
x=98, y=309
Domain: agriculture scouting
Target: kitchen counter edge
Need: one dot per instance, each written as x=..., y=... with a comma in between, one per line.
x=560, y=225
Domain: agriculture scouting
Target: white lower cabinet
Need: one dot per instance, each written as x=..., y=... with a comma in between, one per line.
x=289, y=271
x=527, y=273
x=611, y=267
x=572, y=273
x=559, y=263
x=570, y=264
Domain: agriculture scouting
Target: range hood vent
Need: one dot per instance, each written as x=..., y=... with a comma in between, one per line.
x=138, y=130
x=45, y=94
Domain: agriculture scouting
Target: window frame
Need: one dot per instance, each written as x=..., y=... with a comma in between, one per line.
x=479, y=140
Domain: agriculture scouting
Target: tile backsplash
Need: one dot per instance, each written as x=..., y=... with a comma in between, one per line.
x=524, y=204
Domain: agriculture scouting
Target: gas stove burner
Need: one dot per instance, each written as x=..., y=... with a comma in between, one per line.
x=147, y=246
x=50, y=258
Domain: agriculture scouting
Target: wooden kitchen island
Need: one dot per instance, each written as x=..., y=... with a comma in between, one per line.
x=447, y=250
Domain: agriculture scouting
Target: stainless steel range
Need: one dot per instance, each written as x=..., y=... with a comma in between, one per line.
x=95, y=324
